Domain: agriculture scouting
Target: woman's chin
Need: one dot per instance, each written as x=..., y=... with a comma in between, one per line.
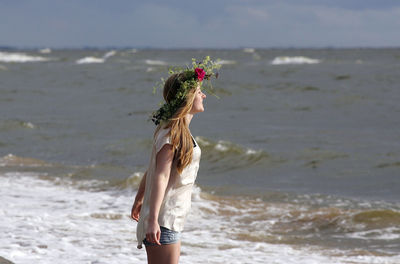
x=197, y=111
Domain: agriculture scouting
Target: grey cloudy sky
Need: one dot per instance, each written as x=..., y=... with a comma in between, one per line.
x=197, y=24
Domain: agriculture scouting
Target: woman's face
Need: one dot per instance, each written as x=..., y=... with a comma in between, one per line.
x=198, y=101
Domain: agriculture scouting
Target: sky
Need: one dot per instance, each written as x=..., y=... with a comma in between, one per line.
x=199, y=24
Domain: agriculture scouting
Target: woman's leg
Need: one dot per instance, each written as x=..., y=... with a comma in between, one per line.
x=164, y=254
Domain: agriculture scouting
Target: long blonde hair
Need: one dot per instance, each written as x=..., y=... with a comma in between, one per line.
x=181, y=139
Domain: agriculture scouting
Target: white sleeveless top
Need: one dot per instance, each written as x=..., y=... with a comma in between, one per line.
x=177, y=199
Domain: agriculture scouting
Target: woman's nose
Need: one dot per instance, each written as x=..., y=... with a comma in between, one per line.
x=204, y=95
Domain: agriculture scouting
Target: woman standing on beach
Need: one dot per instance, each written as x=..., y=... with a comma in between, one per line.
x=164, y=196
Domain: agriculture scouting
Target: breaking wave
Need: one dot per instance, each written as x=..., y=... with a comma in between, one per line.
x=294, y=60
x=15, y=57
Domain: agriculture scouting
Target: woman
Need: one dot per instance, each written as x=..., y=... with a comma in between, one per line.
x=164, y=196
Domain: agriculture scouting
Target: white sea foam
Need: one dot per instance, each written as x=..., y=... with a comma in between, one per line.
x=252, y=152
x=109, y=54
x=20, y=57
x=42, y=221
x=90, y=59
x=221, y=146
x=28, y=125
x=248, y=50
x=226, y=62
x=12, y=160
x=224, y=146
x=45, y=51
x=87, y=60
x=294, y=60
x=128, y=53
x=390, y=233
x=203, y=141
x=155, y=62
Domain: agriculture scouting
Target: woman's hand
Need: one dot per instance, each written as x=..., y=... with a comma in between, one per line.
x=135, y=212
x=153, y=232
x=137, y=205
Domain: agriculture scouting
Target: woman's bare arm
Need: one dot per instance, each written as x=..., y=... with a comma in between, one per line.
x=164, y=160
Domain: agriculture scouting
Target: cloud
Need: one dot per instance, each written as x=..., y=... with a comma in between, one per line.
x=310, y=25
x=220, y=24
x=245, y=15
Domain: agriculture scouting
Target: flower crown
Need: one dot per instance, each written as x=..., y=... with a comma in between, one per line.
x=193, y=76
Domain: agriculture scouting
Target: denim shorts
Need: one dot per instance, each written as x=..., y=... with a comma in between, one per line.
x=167, y=237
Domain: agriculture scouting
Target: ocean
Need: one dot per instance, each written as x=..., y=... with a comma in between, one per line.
x=300, y=155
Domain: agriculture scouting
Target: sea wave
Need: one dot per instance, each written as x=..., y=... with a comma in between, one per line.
x=21, y=57
x=156, y=62
x=45, y=51
x=12, y=160
x=227, y=156
x=92, y=177
x=259, y=221
x=248, y=50
x=226, y=62
x=294, y=60
x=131, y=182
x=90, y=59
x=16, y=124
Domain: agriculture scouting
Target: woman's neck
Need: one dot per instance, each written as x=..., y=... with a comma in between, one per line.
x=189, y=118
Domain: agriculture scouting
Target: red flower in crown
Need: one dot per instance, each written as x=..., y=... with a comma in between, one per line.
x=200, y=73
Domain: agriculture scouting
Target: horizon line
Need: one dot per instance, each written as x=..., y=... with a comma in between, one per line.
x=124, y=47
